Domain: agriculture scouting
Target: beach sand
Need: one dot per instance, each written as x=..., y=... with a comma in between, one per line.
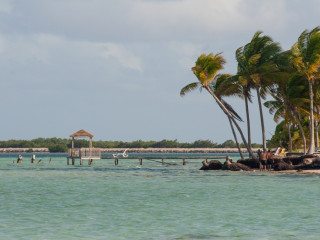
x=313, y=171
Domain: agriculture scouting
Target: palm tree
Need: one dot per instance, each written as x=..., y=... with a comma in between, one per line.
x=255, y=62
x=216, y=87
x=290, y=94
x=306, y=53
x=283, y=106
x=206, y=70
x=236, y=86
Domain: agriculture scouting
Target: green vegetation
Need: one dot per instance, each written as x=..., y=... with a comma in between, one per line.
x=291, y=78
x=62, y=145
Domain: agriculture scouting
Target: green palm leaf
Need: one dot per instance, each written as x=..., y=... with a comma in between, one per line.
x=190, y=87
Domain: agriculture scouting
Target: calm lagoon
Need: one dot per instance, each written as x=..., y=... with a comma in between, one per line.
x=152, y=201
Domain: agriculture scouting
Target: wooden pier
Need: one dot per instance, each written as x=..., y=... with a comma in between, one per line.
x=91, y=154
x=162, y=160
x=83, y=153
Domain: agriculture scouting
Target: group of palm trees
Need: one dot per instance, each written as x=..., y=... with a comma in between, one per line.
x=291, y=78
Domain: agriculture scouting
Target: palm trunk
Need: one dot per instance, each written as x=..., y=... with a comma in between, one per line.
x=262, y=121
x=248, y=121
x=225, y=110
x=317, y=127
x=235, y=138
x=311, y=123
x=301, y=130
x=316, y=123
x=290, y=139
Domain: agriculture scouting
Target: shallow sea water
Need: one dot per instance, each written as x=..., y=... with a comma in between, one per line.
x=152, y=201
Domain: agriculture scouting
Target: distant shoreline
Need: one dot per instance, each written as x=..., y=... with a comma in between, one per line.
x=177, y=150
x=139, y=150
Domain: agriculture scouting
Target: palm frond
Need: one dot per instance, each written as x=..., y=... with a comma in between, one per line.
x=231, y=110
x=190, y=87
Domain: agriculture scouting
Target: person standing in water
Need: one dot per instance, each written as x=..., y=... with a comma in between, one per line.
x=269, y=160
x=262, y=160
x=33, y=158
x=19, y=160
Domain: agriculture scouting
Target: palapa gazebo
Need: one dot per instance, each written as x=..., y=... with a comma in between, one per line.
x=83, y=153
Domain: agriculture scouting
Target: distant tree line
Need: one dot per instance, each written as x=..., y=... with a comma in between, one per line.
x=62, y=145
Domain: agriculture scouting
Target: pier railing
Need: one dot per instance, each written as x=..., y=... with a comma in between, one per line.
x=89, y=153
x=83, y=154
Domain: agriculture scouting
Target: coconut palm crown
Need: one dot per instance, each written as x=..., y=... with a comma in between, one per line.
x=256, y=66
x=206, y=70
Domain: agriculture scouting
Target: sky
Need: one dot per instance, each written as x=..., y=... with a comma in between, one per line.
x=115, y=67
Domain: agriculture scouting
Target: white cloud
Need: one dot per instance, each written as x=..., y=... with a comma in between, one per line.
x=207, y=16
x=186, y=52
x=22, y=49
x=127, y=20
x=42, y=47
x=123, y=55
x=187, y=14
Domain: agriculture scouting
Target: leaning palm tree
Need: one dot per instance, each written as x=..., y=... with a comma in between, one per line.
x=255, y=62
x=307, y=62
x=206, y=70
x=239, y=87
x=216, y=86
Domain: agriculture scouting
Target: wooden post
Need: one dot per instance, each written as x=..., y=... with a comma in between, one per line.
x=72, y=161
x=184, y=161
x=90, y=147
x=116, y=161
x=162, y=161
x=140, y=161
x=67, y=161
x=50, y=160
x=80, y=161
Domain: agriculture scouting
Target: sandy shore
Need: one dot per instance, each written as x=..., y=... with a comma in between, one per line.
x=13, y=150
x=313, y=171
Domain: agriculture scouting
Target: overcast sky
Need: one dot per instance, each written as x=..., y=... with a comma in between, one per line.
x=115, y=67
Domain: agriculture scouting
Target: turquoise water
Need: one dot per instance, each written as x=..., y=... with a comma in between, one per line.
x=152, y=201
